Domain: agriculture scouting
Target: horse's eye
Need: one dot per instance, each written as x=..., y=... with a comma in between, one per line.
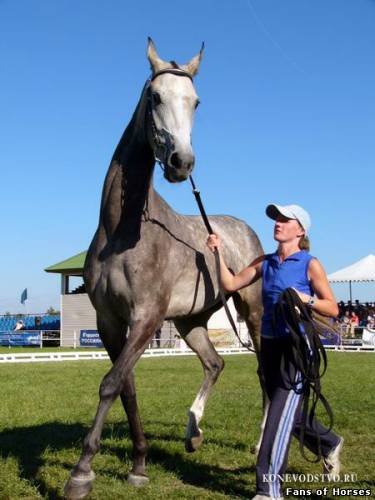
x=197, y=103
x=156, y=98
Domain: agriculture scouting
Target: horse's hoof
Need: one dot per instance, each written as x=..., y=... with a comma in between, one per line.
x=137, y=480
x=192, y=444
x=79, y=486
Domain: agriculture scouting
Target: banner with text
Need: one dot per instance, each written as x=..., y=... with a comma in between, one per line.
x=23, y=338
x=90, y=338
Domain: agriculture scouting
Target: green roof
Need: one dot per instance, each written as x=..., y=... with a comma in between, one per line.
x=72, y=265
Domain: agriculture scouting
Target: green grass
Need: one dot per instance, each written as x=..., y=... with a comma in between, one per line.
x=46, y=409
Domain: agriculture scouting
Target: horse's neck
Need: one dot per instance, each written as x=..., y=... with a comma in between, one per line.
x=128, y=195
x=128, y=186
x=127, y=189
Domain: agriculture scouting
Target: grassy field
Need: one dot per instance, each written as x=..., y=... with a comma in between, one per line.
x=46, y=410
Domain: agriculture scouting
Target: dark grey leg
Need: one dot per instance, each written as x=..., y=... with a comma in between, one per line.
x=196, y=336
x=137, y=476
x=118, y=381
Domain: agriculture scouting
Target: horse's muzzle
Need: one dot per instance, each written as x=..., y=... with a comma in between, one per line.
x=179, y=167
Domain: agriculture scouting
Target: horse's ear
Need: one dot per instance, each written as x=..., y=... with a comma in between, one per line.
x=156, y=63
x=193, y=65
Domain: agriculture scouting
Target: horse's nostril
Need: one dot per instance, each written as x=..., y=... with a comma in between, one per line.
x=175, y=160
x=181, y=161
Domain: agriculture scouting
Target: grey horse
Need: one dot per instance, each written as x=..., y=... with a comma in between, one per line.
x=147, y=263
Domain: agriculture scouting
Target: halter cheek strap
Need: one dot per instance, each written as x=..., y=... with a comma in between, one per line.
x=157, y=134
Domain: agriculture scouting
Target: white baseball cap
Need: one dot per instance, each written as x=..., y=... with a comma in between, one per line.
x=291, y=212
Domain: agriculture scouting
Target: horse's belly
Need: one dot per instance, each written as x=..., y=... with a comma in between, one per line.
x=192, y=297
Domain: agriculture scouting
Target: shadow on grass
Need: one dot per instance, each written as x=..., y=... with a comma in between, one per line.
x=176, y=432
x=230, y=482
x=28, y=444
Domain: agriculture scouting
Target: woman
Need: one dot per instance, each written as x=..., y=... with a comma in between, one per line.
x=354, y=323
x=290, y=266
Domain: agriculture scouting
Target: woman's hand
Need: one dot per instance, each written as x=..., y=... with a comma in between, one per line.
x=213, y=242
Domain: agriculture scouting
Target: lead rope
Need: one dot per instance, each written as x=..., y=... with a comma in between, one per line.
x=198, y=199
x=307, y=355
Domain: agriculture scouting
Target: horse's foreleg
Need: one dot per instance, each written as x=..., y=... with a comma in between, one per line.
x=196, y=337
x=114, y=344
x=113, y=384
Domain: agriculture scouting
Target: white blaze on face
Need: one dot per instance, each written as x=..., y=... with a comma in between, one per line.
x=175, y=101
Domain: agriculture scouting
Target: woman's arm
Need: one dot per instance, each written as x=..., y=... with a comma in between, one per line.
x=233, y=282
x=324, y=302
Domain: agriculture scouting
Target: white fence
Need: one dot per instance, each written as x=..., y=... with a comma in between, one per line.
x=149, y=353
x=170, y=344
x=98, y=355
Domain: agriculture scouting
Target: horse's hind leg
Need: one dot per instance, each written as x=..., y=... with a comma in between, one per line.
x=194, y=332
x=118, y=381
x=248, y=304
x=137, y=476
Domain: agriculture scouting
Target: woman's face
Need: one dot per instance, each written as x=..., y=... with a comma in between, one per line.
x=287, y=230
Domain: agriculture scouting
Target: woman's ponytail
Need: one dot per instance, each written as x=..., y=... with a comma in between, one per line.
x=304, y=243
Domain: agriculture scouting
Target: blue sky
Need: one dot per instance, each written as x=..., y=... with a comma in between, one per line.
x=287, y=115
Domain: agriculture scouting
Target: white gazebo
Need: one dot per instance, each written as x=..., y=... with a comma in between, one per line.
x=361, y=271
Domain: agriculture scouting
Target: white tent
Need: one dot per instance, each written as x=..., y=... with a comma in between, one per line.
x=362, y=270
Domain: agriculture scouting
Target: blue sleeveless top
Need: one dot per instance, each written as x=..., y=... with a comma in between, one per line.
x=277, y=276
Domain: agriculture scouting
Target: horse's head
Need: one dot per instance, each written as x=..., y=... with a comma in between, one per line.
x=172, y=101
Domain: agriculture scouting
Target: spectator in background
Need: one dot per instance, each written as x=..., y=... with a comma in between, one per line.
x=157, y=337
x=362, y=315
x=346, y=323
x=354, y=322
x=370, y=322
x=19, y=326
x=342, y=308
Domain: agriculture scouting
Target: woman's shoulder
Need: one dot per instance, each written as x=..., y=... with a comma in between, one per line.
x=315, y=268
x=308, y=258
x=307, y=254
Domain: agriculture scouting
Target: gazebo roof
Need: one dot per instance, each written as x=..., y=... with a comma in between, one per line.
x=73, y=265
x=362, y=270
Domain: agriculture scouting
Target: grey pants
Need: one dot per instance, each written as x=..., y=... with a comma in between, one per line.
x=284, y=418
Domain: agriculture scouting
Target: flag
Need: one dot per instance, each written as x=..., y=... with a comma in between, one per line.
x=24, y=296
